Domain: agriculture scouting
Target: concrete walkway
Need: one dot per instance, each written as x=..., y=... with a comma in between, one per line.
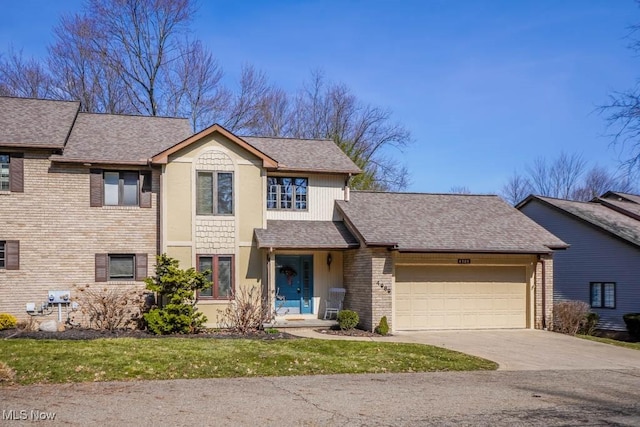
x=515, y=350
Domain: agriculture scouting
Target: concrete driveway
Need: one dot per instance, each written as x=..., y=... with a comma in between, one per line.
x=526, y=349
x=515, y=349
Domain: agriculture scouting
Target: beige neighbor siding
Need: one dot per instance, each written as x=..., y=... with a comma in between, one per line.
x=60, y=233
x=433, y=291
x=323, y=191
x=189, y=235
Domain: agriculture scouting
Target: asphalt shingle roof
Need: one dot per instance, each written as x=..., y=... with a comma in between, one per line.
x=616, y=223
x=315, y=155
x=305, y=234
x=445, y=223
x=36, y=123
x=109, y=138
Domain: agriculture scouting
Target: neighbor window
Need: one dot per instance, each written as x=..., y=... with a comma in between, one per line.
x=121, y=188
x=214, y=193
x=122, y=267
x=221, y=275
x=4, y=172
x=603, y=295
x=287, y=193
x=3, y=256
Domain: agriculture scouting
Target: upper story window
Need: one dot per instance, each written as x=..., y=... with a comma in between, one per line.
x=287, y=193
x=3, y=256
x=603, y=294
x=4, y=172
x=12, y=172
x=214, y=193
x=120, y=188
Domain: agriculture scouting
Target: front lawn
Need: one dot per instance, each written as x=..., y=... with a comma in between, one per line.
x=57, y=361
x=632, y=345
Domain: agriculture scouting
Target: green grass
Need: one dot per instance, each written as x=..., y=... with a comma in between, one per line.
x=56, y=361
x=631, y=345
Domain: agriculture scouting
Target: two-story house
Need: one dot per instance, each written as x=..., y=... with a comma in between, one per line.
x=78, y=198
x=271, y=213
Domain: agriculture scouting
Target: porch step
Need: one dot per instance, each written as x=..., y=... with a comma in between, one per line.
x=299, y=322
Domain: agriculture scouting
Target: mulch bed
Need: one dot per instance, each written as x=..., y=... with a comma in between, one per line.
x=91, y=334
x=349, y=333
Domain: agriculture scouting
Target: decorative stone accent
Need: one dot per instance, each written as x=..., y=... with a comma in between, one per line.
x=49, y=326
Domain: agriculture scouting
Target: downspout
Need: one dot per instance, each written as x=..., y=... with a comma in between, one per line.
x=544, y=293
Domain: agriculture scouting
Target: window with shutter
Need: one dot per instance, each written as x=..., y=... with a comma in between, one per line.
x=12, y=172
x=12, y=255
x=120, y=188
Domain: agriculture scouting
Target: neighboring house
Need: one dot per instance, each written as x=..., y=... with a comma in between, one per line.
x=78, y=198
x=602, y=266
x=275, y=214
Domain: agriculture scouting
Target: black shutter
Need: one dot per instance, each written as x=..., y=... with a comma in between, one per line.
x=96, y=187
x=145, y=189
x=141, y=267
x=102, y=264
x=12, y=253
x=16, y=173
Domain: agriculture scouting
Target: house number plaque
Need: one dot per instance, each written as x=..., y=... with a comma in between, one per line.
x=464, y=261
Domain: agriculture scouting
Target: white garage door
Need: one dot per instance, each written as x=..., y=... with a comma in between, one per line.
x=460, y=297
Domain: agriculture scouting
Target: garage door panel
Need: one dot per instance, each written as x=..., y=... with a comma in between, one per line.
x=460, y=298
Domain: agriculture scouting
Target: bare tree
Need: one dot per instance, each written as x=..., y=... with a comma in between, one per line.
x=23, y=77
x=460, y=189
x=516, y=189
x=598, y=181
x=79, y=70
x=364, y=132
x=559, y=178
x=243, y=115
x=195, y=90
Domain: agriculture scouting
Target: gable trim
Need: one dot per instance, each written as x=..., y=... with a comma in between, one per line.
x=163, y=157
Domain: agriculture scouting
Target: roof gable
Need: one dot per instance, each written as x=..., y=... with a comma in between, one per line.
x=618, y=224
x=36, y=123
x=162, y=157
x=416, y=222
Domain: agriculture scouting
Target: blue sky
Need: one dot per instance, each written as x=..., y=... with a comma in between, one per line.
x=484, y=86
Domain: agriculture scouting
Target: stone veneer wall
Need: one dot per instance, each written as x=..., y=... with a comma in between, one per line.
x=215, y=234
x=59, y=233
x=368, y=279
x=548, y=281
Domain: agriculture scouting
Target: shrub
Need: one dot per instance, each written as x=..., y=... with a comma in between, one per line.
x=589, y=325
x=632, y=320
x=572, y=317
x=347, y=319
x=246, y=311
x=7, y=321
x=179, y=315
x=383, y=327
x=110, y=308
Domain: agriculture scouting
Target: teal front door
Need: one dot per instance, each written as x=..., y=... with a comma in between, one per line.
x=294, y=284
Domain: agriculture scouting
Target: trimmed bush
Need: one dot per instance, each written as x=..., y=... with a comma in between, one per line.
x=632, y=320
x=7, y=321
x=347, y=319
x=383, y=327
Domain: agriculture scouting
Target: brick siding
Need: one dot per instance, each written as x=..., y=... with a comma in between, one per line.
x=59, y=233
